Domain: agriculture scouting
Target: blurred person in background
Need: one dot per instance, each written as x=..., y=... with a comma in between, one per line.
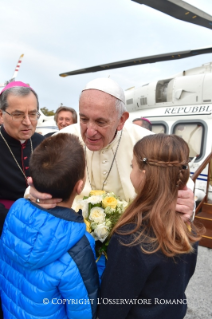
x=63, y=117
x=143, y=122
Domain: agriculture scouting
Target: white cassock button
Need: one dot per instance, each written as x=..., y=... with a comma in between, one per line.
x=103, y=162
x=104, y=172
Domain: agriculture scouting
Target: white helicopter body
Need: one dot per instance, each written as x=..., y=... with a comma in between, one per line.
x=180, y=105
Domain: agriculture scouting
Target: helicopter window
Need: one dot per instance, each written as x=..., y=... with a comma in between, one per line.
x=193, y=134
x=164, y=91
x=143, y=100
x=158, y=128
x=130, y=101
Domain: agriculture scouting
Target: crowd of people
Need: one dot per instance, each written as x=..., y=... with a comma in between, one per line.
x=46, y=254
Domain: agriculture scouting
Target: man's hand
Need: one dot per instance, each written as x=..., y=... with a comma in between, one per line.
x=45, y=200
x=185, y=203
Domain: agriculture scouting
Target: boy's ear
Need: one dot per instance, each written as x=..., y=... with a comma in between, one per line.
x=79, y=186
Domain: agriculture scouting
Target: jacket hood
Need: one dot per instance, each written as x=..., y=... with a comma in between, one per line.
x=34, y=237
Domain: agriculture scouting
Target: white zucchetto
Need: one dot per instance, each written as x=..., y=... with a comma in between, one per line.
x=108, y=86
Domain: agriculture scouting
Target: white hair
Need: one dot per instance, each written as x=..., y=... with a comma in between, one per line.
x=120, y=107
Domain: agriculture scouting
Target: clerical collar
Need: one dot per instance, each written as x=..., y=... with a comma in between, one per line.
x=9, y=138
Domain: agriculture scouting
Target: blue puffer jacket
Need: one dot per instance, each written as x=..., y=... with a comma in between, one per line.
x=47, y=264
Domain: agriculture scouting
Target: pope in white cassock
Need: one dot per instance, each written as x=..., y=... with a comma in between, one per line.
x=108, y=142
x=107, y=138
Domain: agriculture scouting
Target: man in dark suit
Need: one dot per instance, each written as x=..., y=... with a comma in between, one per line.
x=19, y=112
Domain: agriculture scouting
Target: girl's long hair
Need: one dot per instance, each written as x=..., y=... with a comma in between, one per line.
x=157, y=225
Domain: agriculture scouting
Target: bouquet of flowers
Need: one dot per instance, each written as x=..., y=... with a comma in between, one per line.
x=101, y=212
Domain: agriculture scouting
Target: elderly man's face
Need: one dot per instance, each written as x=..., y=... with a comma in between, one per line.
x=22, y=129
x=64, y=119
x=99, y=119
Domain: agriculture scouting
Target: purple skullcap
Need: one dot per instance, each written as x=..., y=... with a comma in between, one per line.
x=144, y=119
x=14, y=84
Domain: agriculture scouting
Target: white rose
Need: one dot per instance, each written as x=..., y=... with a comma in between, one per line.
x=101, y=232
x=121, y=205
x=95, y=199
x=83, y=205
x=97, y=215
x=77, y=205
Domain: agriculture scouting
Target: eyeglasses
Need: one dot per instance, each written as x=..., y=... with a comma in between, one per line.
x=34, y=116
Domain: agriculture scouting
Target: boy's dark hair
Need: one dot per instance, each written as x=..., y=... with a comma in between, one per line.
x=57, y=164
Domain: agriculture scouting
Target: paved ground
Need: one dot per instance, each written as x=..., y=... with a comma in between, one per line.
x=199, y=290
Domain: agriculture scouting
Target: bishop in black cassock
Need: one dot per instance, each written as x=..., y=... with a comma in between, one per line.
x=12, y=180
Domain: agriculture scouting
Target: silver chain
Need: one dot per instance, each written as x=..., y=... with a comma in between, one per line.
x=110, y=165
x=14, y=155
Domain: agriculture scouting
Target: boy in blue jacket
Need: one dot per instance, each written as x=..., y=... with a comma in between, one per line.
x=47, y=259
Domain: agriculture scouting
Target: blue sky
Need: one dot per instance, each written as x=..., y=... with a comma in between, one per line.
x=59, y=36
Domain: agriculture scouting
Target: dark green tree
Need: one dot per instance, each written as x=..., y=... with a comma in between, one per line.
x=46, y=111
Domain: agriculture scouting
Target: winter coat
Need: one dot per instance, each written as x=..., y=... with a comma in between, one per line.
x=47, y=264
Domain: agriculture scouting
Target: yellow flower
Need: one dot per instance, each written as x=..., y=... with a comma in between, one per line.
x=109, y=201
x=88, y=225
x=96, y=192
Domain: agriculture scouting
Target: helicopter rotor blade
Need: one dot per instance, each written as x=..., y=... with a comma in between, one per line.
x=141, y=60
x=180, y=10
x=17, y=68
